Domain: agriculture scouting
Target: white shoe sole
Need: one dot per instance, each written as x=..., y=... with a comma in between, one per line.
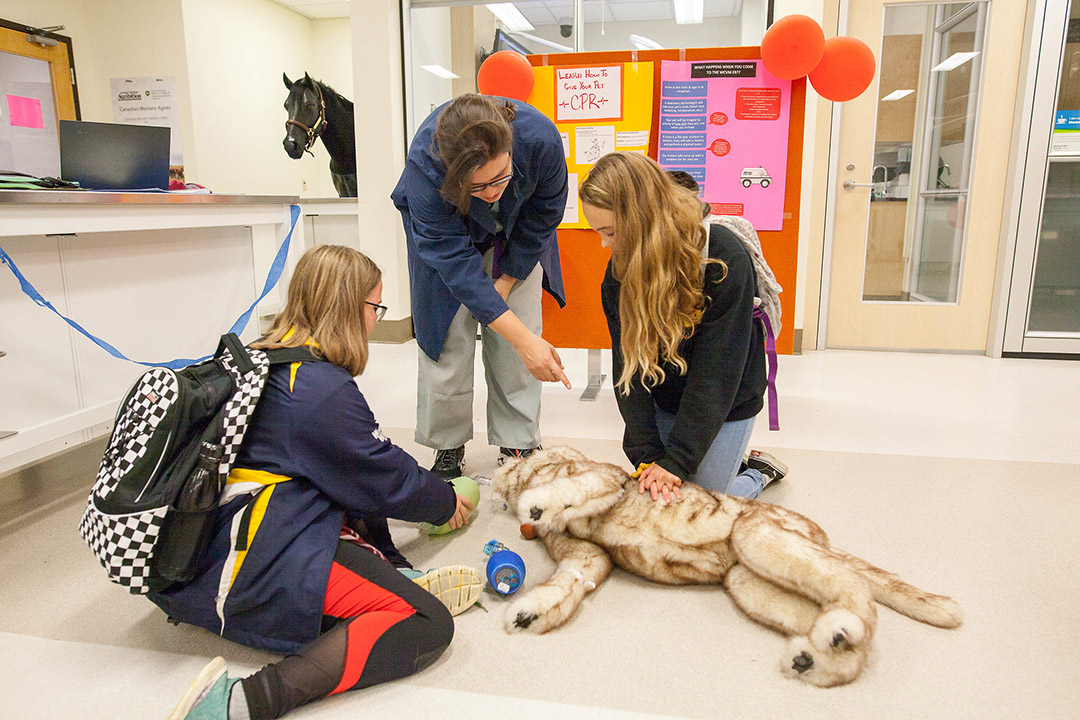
x=205, y=680
x=458, y=587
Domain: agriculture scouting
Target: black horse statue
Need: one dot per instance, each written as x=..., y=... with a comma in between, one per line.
x=316, y=111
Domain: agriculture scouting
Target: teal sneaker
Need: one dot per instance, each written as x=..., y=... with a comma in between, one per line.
x=208, y=696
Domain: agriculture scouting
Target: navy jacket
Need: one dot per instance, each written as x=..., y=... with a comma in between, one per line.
x=446, y=268
x=725, y=378
x=312, y=454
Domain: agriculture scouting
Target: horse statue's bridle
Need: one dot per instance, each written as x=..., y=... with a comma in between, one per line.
x=314, y=130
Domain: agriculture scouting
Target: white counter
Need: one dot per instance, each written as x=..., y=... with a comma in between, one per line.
x=158, y=276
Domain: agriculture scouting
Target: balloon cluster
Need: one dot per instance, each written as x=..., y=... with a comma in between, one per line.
x=839, y=68
x=507, y=74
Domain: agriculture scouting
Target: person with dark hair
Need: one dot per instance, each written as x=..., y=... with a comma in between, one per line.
x=483, y=190
x=286, y=570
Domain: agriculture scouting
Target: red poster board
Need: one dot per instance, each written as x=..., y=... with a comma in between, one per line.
x=581, y=324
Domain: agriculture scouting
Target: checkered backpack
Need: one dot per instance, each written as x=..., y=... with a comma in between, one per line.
x=154, y=453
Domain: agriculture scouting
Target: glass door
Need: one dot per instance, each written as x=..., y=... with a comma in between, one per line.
x=1043, y=315
x=919, y=167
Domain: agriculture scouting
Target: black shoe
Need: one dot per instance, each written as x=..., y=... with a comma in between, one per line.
x=515, y=453
x=449, y=464
x=770, y=468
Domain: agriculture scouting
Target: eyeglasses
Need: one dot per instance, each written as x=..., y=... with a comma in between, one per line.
x=380, y=310
x=497, y=182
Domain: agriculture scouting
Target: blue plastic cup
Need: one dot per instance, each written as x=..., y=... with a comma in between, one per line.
x=505, y=571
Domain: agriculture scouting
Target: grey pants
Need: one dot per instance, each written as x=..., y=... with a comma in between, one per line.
x=444, y=397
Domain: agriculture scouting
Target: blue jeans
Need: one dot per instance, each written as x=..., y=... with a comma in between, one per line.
x=719, y=469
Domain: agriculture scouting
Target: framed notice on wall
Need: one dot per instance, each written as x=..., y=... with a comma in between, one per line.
x=726, y=123
x=598, y=109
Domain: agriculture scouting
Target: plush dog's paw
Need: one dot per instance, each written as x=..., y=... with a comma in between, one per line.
x=837, y=630
x=524, y=615
x=798, y=658
x=803, y=662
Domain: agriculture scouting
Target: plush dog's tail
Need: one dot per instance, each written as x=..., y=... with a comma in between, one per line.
x=904, y=598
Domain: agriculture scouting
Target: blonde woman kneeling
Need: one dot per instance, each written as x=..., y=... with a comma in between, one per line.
x=688, y=356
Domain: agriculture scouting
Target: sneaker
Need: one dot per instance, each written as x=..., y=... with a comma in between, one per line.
x=515, y=453
x=208, y=696
x=458, y=587
x=449, y=464
x=770, y=468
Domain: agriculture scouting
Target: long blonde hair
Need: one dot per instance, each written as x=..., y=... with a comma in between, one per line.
x=657, y=258
x=325, y=307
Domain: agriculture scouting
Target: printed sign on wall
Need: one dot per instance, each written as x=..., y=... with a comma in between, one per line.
x=598, y=110
x=149, y=101
x=726, y=124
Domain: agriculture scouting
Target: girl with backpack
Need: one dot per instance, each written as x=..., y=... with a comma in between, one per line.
x=286, y=571
x=688, y=356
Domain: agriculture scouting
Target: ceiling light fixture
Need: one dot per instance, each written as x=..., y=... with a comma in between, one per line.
x=953, y=61
x=510, y=17
x=689, y=12
x=440, y=71
x=896, y=95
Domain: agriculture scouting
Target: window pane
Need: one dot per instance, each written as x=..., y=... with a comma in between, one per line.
x=938, y=269
x=1055, y=295
x=956, y=61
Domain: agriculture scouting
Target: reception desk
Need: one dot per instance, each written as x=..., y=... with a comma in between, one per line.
x=158, y=276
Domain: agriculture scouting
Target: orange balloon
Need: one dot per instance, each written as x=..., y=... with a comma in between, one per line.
x=792, y=47
x=507, y=74
x=846, y=69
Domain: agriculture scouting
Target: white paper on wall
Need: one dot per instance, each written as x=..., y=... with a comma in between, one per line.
x=149, y=101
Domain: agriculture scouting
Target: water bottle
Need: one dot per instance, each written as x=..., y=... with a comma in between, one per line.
x=505, y=568
x=187, y=528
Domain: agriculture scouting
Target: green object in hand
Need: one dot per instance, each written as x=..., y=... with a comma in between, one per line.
x=466, y=488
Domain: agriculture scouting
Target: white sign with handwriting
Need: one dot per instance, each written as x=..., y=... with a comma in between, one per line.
x=588, y=93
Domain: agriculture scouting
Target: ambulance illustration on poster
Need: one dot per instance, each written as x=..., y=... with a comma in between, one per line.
x=753, y=175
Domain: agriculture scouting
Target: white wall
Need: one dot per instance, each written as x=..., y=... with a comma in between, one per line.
x=813, y=193
x=236, y=52
x=331, y=62
x=380, y=144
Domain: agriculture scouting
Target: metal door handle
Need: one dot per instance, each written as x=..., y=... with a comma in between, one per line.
x=849, y=184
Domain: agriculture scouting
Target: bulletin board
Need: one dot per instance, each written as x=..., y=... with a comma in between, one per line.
x=597, y=109
x=581, y=324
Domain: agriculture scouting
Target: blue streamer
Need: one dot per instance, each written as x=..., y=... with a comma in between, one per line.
x=276, y=268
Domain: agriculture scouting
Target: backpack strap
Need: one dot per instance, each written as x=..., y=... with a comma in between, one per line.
x=231, y=343
x=290, y=355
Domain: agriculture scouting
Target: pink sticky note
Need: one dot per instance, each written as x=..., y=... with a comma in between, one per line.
x=25, y=112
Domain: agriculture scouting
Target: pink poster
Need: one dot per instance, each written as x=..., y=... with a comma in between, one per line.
x=25, y=112
x=725, y=122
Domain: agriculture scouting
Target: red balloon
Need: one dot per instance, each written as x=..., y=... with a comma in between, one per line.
x=846, y=69
x=506, y=73
x=792, y=47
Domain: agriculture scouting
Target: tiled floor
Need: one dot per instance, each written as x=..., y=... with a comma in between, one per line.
x=961, y=473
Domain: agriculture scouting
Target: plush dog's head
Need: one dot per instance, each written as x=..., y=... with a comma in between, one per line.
x=553, y=487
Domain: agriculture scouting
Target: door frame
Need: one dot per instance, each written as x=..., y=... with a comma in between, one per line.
x=66, y=41
x=1036, y=117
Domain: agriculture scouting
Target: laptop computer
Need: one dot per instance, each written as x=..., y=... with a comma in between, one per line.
x=114, y=156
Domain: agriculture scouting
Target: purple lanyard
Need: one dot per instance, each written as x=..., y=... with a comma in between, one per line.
x=770, y=351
